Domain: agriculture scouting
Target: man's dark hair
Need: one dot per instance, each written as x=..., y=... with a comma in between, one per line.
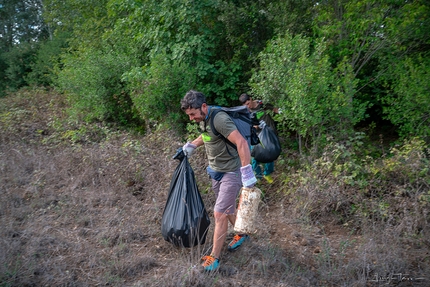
x=243, y=98
x=193, y=100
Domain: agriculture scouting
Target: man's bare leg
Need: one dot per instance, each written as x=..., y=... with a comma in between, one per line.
x=220, y=231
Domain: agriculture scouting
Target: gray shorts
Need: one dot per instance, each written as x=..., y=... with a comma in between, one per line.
x=226, y=192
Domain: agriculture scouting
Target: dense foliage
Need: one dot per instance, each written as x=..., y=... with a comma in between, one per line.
x=331, y=66
x=345, y=75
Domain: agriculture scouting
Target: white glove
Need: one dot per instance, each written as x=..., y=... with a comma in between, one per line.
x=262, y=124
x=248, y=177
x=189, y=149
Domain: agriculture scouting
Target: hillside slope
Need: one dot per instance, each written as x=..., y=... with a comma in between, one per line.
x=81, y=205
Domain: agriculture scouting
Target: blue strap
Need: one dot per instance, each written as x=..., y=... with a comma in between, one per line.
x=209, y=111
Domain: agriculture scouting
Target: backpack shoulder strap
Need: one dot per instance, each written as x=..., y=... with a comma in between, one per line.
x=211, y=121
x=213, y=129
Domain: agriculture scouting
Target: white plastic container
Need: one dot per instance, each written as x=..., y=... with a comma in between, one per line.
x=247, y=210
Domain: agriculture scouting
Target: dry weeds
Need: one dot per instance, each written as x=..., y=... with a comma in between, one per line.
x=86, y=211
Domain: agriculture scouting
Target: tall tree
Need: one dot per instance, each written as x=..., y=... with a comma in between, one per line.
x=20, y=21
x=374, y=36
x=356, y=29
x=405, y=70
x=21, y=27
x=85, y=20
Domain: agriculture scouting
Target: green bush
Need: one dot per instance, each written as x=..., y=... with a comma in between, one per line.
x=356, y=188
x=92, y=79
x=46, y=59
x=17, y=63
x=295, y=74
x=407, y=104
x=157, y=89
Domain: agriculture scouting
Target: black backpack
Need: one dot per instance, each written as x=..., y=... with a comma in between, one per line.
x=244, y=121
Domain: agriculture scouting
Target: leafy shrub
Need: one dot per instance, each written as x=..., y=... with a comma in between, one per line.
x=356, y=188
x=407, y=104
x=408, y=164
x=92, y=79
x=46, y=59
x=17, y=62
x=296, y=76
x=157, y=89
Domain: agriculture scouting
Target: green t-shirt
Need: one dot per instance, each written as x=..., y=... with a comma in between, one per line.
x=216, y=149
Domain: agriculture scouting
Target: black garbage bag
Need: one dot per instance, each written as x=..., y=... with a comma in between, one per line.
x=185, y=221
x=269, y=148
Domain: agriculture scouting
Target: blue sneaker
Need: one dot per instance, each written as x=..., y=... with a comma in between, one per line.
x=237, y=241
x=211, y=263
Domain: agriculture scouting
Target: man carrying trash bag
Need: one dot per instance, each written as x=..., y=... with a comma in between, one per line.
x=228, y=169
x=261, y=113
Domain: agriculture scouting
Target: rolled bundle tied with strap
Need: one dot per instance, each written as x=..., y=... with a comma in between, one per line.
x=247, y=210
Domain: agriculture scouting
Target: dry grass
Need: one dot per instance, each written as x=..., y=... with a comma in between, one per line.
x=83, y=208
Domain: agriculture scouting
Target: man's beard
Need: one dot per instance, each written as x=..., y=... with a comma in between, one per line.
x=202, y=116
